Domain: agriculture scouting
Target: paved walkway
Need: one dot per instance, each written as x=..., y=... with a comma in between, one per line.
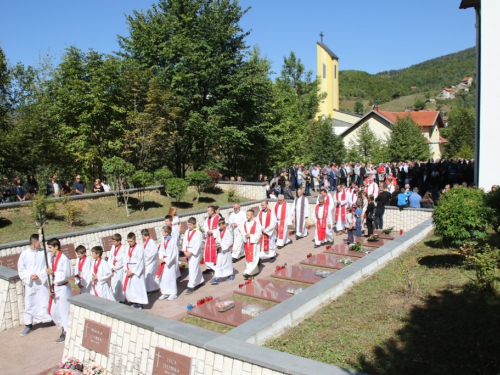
x=37, y=351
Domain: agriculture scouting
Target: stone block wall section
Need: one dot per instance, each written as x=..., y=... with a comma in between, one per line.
x=11, y=299
x=250, y=190
x=136, y=334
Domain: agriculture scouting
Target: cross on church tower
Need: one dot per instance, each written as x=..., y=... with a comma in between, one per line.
x=321, y=36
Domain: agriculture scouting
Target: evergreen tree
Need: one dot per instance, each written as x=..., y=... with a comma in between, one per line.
x=321, y=145
x=359, y=108
x=366, y=146
x=407, y=141
x=461, y=133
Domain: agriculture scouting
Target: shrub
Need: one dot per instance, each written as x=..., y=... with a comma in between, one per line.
x=232, y=197
x=73, y=211
x=214, y=175
x=162, y=175
x=199, y=180
x=484, y=261
x=44, y=205
x=493, y=201
x=462, y=216
x=176, y=188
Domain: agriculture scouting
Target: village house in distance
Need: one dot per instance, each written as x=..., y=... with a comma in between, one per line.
x=380, y=122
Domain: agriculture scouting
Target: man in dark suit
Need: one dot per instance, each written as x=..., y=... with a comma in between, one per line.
x=343, y=174
x=293, y=177
x=362, y=174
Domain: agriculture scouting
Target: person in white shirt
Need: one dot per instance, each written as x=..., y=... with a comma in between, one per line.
x=224, y=265
x=235, y=221
x=301, y=210
x=283, y=212
x=31, y=269
x=167, y=272
x=105, y=185
x=115, y=261
x=322, y=217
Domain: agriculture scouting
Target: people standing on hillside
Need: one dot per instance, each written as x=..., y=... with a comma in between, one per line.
x=101, y=275
x=60, y=271
x=79, y=186
x=31, y=269
x=340, y=200
x=370, y=215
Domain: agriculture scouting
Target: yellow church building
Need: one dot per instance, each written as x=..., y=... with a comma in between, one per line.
x=347, y=124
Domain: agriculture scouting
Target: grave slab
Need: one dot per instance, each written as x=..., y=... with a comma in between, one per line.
x=299, y=274
x=375, y=244
x=384, y=236
x=232, y=317
x=344, y=250
x=325, y=261
x=269, y=290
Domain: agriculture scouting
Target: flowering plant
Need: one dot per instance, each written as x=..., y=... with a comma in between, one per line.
x=373, y=238
x=356, y=247
x=346, y=261
x=93, y=369
x=388, y=230
x=71, y=363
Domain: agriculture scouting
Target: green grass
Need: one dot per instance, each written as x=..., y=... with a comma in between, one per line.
x=18, y=224
x=253, y=301
x=421, y=314
x=207, y=324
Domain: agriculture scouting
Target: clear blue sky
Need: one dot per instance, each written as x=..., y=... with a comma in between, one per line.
x=367, y=35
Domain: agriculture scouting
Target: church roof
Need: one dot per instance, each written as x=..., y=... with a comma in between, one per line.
x=470, y=3
x=328, y=50
x=422, y=118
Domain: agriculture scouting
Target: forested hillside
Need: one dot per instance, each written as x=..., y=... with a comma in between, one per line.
x=428, y=76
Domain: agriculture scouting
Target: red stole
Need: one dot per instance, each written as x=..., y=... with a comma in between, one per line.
x=162, y=266
x=248, y=244
x=130, y=251
x=321, y=222
x=340, y=208
x=81, y=262
x=115, y=253
x=264, y=239
x=54, y=269
x=96, y=269
x=210, y=248
x=281, y=225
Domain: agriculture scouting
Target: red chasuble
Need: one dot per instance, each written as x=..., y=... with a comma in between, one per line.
x=96, y=269
x=210, y=248
x=248, y=244
x=340, y=208
x=321, y=222
x=281, y=224
x=130, y=251
x=264, y=239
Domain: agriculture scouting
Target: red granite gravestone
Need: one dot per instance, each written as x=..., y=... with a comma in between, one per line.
x=69, y=250
x=96, y=337
x=300, y=274
x=344, y=250
x=325, y=261
x=274, y=291
x=232, y=317
x=384, y=236
x=107, y=243
x=10, y=261
x=167, y=362
x=374, y=243
x=152, y=233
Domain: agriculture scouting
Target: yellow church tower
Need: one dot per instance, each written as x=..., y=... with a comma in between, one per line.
x=328, y=71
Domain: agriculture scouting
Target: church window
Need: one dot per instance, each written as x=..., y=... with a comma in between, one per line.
x=324, y=70
x=335, y=71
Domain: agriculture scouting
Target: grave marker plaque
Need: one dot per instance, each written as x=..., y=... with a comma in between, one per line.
x=374, y=243
x=344, y=250
x=300, y=274
x=69, y=250
x=96, y=337
x=10, y=261
x=167, y=362
x=267, y=290
x=107, y=243
x=152, y=233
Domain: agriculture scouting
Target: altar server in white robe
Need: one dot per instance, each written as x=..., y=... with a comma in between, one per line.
x=31, y=268
x=115, y=262
x=323, y=219
x=175, y=237
x=341, y=200
x=301, y=210
x=224, y=242
x=150, y=261
x=134, y=284
x=101, y=275
x=283, y=212
x=372, y=188
x=60, y=271
x=191, y=246
x=352, y=194
x=267, y=221
x=83, y=276
x=235, y=222
x=169, y=259
x=253, y=232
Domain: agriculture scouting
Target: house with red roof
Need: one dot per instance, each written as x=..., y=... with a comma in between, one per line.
x=380, y=122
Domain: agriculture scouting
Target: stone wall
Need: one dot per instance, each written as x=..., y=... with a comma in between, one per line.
x=249, y=190
x=11, y=299
x=135, y=335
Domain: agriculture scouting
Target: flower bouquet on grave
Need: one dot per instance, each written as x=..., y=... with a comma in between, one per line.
x=345, y=261
x=294, y=290
x=358, y=247
x=223, y=306
x=373, y=238
x=93, y=369
x=323, y=274
x=70, y=363
x=388, y=230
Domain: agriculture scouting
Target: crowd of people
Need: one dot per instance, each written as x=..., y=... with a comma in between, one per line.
x=17, y=192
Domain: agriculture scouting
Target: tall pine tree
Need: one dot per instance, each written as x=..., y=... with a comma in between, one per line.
x=407, y=141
